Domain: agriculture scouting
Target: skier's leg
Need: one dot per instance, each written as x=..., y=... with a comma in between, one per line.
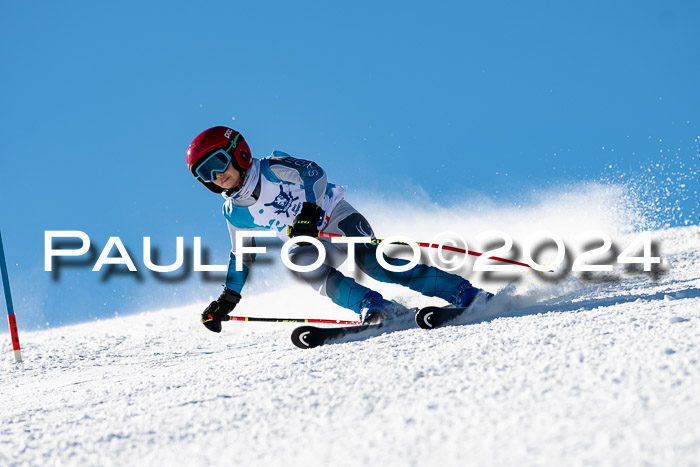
x=428, y=280
x=342, y=290
x=346, y=292
x=329, y=282
x=326, y=279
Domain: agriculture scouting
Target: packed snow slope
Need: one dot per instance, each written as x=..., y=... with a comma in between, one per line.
x=593, y=369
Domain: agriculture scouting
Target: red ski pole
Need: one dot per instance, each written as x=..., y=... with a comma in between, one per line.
x=444, y=247
x=291, y=320
x=10, y=309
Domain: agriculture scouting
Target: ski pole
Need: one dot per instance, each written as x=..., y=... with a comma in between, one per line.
x=10, y=309
x=435, y=245
x=292, y=320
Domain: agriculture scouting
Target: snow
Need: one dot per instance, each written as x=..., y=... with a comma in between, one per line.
x=597, y=370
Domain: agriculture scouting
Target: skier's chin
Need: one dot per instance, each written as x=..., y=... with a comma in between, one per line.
x=226, y=184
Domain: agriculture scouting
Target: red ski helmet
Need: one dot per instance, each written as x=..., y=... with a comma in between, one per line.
x=213, y=139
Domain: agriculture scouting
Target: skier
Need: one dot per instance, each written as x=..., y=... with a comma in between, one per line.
x=281, y=192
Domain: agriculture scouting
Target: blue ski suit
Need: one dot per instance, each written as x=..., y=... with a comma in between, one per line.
x=272, y=194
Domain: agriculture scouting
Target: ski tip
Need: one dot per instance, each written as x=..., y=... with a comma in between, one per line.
x=425, y=317
x=303, y=337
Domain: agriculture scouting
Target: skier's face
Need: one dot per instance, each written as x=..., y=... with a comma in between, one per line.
x=227, y=179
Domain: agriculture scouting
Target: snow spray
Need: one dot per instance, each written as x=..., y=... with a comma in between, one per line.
x=10, y=309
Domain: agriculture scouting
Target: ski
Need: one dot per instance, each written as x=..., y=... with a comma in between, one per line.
x=432, y=317
x=308, y=337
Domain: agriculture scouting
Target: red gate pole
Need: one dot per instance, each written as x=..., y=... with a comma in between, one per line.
x=10, y=309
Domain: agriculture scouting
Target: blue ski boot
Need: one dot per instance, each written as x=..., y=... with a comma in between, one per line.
x=465, y=293
x=374, y=308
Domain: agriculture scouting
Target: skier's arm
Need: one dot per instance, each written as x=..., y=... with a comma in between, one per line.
x=218, y=310
x=236, y=279
x=302, y=172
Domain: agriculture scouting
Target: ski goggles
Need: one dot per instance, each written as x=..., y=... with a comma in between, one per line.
x=218, y=161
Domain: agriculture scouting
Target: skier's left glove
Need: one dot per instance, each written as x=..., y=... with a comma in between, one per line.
x=306, y=222
x=218, y=310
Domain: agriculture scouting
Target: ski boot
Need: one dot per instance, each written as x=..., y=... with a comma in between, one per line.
x=465, y=293
x=374, y=308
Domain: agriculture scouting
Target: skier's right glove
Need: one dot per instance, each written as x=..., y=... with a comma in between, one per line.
x=218, y=310
x=306, y=222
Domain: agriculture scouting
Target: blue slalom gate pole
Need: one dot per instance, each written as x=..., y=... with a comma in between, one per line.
x=10, y=309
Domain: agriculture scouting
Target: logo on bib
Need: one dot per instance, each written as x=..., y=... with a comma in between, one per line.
x=284, y=203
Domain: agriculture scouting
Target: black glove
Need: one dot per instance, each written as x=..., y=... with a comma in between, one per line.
x=218, y=310
x=306, y=222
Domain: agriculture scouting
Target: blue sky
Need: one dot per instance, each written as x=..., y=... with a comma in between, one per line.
x=100, y=100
